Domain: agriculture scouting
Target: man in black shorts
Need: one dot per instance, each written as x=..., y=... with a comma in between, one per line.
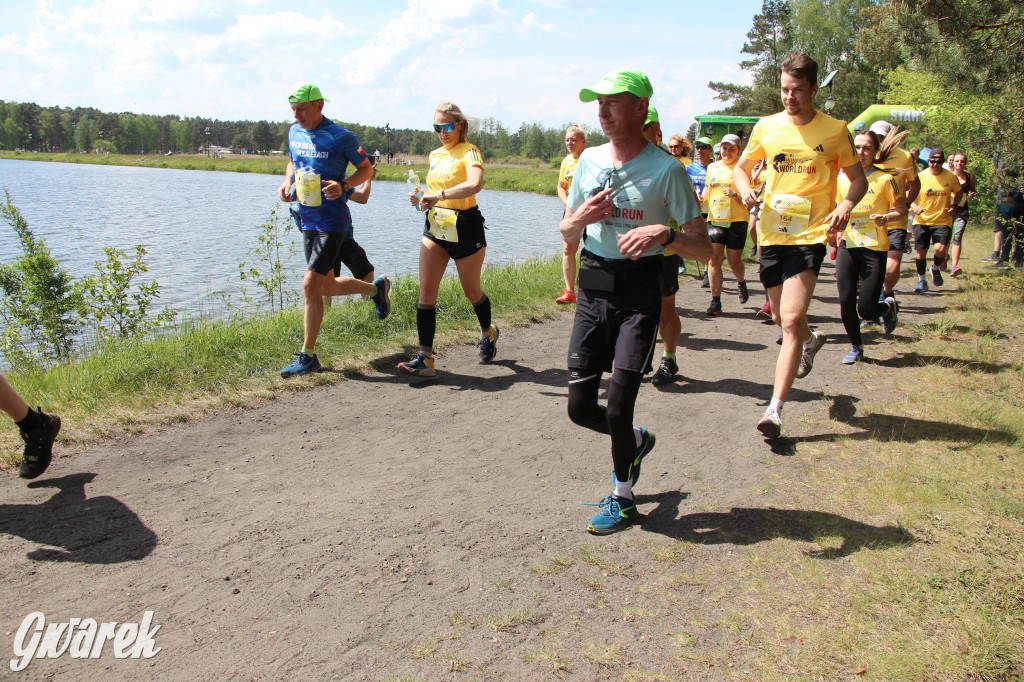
x=628, y=201
x=804, y=150
x=321, y=151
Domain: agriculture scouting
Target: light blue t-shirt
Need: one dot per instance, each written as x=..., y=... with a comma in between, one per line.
x=651, y=189
x=327, y=151
x=698, y=176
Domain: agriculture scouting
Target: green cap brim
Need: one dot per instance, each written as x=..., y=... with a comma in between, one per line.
x=618, y=82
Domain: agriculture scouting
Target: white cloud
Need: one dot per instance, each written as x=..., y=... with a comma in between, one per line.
x=530, y=22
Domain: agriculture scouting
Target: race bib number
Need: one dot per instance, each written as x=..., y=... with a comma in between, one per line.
x=720, y=209
x=861, y=232
x=442, y=224
x=786, y=214
x=307, y=188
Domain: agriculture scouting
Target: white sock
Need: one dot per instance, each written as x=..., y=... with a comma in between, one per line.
x=776, y=405
x=807, y=343
x=623, y=488
x=638, y=435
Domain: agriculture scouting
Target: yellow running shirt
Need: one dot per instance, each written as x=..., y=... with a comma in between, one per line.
x=803, y=162
x=567, y=170
x=935, y=197
x=723, y=208
x=861, y=231
x=448, y=169
x=900, y=160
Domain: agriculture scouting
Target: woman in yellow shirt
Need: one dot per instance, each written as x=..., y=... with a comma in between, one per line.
x=453, y=230
x=575, y=141
x=727, y=224
x=864, y=247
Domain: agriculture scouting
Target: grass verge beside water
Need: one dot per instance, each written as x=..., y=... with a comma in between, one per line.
x=180, y=375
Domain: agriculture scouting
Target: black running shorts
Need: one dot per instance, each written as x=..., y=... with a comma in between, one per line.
x=669, y=279
x=898, y=241
x=733, y=237
x=780, y=262
x=926, y=235
x=321, y=250
x=470, y=226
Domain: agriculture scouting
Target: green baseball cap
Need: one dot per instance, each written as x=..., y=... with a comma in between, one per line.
x=652, y=116
x=616, y=82
x=705, y=140
x=305, y=92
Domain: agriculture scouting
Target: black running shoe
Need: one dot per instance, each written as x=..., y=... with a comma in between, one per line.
x=744, y=295
x=666, y=373
x=39, y=446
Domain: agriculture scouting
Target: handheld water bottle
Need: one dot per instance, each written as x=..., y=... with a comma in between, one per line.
x=413, y=183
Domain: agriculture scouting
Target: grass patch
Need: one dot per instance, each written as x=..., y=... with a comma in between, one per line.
x=555, y=566
x=511, y=619
x=549, y=659
x=179, y=375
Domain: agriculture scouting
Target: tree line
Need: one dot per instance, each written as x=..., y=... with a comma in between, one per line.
x=959, y=56
x=26, y=125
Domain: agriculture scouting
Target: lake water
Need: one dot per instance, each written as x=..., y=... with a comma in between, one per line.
x=198, y=225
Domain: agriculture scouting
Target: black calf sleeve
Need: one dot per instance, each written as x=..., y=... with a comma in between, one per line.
x=426, y=325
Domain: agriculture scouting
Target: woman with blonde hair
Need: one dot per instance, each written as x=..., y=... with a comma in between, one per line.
x=575, y=141
x=453, y=230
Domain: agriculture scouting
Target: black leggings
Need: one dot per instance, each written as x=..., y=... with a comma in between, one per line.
x=615, y=420
x=867, y=267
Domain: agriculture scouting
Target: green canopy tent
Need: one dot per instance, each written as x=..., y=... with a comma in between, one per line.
x=717, y=126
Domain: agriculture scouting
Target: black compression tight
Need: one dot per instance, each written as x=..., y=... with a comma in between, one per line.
x=867, y=267
x=616, y=419
x=426, y=325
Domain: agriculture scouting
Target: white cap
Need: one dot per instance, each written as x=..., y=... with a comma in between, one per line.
x=732, y=139
x=881, y=128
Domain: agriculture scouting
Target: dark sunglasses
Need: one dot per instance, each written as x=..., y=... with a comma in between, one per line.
x=445, y=127
x=604, y=181
x=703, y=146
x=934, y=160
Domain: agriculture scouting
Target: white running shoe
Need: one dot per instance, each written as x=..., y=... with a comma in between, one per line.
x=810, y=350
x=770, y=425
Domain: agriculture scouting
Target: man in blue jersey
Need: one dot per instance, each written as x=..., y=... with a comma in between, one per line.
x=321, y=152
x=629, y=202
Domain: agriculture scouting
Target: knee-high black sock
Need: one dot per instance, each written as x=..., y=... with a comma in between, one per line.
x=426, y=325
x=919, y=263
x=938, y=260
x=483, y=312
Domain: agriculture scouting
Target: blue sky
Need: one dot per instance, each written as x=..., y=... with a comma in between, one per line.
x=378, y=62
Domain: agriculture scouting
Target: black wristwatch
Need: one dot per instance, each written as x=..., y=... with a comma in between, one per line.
x=671, y=237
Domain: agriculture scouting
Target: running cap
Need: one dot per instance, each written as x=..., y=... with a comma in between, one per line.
x=732, y=139
x=616, y=82
x=652, y=116
x=705, y=140
x=937, y=152
x=305, y=92
x=881, y=128
x=717, y=148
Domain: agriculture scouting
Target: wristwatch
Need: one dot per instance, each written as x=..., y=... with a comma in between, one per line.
x=671, y=237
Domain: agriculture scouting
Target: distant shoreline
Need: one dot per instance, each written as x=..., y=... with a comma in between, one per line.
x=498, y=176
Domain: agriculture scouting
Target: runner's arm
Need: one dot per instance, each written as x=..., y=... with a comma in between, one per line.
x=361, y=194
x=913, y=187
x=954, y=201
x=563, y=192
x=284, y=190
x=474, y=181
x=597, y=207
x=741, y=181
x=690, y=241
x=839, y=217
x=899, y=210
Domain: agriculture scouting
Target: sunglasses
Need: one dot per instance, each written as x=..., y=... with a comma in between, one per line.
x=703, y=147
x=604, y=181
x=445, y=127
x=934, y=160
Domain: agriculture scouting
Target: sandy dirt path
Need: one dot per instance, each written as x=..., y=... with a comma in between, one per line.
x=379, y=528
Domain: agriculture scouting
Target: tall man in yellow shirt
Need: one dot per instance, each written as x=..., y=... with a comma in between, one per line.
x=804, y=150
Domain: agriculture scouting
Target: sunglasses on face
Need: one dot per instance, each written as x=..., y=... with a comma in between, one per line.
x=934, y=160
x=703, y=148
x=675, y=146
x=445, y=127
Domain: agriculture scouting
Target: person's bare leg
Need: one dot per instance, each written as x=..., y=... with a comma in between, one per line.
x=791, y=300
x=569, y=264
x=715, y=269
x=12, y=403
x=669, y=326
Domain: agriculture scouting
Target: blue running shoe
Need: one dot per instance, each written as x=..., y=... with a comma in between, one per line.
x=891, y=318
x=647, y=441
x=489, y=345
x=617, y=513
x=303, y=364
x=419, y=366
x=936, y=276
x=855, y=355
x=382, y=299
x=921, y=287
